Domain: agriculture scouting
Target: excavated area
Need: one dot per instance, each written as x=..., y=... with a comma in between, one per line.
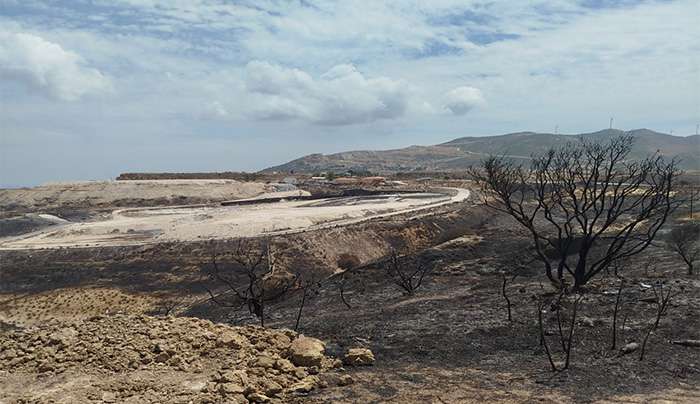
x=190, y=223
x=85, y=324
x=137, y=359
x=67, y=283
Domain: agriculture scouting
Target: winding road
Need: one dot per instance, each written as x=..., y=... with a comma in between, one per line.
x=193, y=223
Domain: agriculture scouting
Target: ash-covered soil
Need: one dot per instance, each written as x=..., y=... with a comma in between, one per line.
x=452, y=342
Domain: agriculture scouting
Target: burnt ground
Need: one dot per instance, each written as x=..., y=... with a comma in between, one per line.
x=449, y=342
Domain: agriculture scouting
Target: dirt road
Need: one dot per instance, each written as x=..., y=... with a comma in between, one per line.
x=191, y=223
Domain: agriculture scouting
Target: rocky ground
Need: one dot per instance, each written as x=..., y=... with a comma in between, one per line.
x=137, y=359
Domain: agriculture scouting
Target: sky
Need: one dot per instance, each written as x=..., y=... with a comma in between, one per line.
x=93, y=88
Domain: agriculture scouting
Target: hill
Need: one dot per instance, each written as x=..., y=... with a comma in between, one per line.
x=463, y=152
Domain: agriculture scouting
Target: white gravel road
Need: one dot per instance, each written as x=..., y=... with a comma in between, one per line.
x=149, y=225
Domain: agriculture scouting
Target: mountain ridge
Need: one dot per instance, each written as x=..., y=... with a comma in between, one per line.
x=462, y=152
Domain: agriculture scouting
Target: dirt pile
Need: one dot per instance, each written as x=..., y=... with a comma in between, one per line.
x=185, y=359
x=66, y=197
x=13, y=226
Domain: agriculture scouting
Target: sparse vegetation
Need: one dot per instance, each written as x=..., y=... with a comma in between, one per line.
x=346, y=262
x=255, y=269
x=689, y=192
x=308, y=288
x=613, y=344
x=504, y=291
x=661, y=302
x=407, y=272
x=684, y=240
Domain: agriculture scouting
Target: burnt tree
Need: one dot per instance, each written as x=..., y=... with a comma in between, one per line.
x=684, y=240
x=662, y=300
x=308, y=287
x=580, y=196
x=407, y=271
x=566, y=337
x=347, y=263
x=251, y=277
x=689, y=192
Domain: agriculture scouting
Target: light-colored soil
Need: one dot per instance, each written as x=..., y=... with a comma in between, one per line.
x=142, y=359
x=74, y=303
x=106, y=193
x=142, y=226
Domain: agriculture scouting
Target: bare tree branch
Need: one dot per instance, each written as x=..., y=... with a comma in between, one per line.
x=580, y=198
x=251, y=280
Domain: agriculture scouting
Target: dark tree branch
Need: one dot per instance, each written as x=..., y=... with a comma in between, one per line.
x=613, y=345
x=580, y=198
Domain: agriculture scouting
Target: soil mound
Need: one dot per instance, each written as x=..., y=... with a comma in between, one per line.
x=110, y=194
x=140, y=359
x=16, y=225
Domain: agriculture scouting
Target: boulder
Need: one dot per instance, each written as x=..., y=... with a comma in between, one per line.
x=359, y=357
x=265, y=362
x=234, y=399
x=306, y=351
x=232, y=340
x=278, y=339
x=161, y=357
x=299, y=373
x=109, y=397
x=64, y=337
x=271, y=387
x=345, y=380
x=629, y=348
x=231, y=388
x=284, y=365
x=258, y=398
x=234, y=376
x=688, y=342
x=305, y=385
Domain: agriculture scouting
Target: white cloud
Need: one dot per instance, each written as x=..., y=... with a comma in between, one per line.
x=47, y=67
x=539, y=63
x=463, y=99
x=341, y=96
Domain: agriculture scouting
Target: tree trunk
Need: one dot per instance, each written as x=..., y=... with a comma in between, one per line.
x=560, y=270
x=688, y=263
x=580, y=272
x=301, y=307
x=691, y=203
x=550, y=275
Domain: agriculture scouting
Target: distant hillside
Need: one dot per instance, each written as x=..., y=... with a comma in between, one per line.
x=461, y=153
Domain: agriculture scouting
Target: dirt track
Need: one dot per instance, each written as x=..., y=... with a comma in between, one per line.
x=148, y=225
